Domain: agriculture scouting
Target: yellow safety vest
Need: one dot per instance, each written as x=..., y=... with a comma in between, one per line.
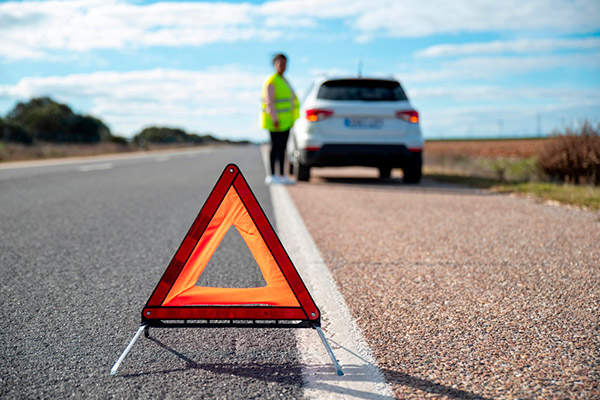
x=287, y=113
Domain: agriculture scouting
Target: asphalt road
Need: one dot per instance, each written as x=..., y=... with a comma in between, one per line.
x=82, y=247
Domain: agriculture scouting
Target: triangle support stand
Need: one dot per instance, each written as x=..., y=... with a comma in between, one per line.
x=338, y=368
x=113, y=370
x=146, y=328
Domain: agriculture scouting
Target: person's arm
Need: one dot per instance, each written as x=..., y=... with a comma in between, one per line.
x=270, y=104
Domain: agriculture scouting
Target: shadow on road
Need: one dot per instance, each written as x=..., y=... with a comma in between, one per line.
x=366, y=177
x=288, y=373
x=394, y=184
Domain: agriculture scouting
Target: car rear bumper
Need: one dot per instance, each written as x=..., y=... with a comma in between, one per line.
x=366, y=155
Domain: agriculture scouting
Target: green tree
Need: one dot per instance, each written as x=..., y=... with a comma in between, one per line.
x=10, y=132
x=156, y=134
x=44, y=119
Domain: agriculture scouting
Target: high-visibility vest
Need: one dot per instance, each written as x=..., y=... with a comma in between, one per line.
x=287, y=113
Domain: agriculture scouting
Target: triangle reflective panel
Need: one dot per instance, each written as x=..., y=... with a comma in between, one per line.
x=284, y=297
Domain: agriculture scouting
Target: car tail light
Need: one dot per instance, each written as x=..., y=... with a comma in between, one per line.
x=411, y=116
x=317, y=114
x=415, y=149
x=312, y=148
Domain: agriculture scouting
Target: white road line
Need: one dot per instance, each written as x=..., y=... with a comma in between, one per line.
x=94, y=167
x=362, y=378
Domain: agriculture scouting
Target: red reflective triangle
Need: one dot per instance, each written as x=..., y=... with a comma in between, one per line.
x=231, y=203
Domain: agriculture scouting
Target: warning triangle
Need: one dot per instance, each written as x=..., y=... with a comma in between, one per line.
x=231, y=204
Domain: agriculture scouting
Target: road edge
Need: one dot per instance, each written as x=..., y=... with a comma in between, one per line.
x=362, y=377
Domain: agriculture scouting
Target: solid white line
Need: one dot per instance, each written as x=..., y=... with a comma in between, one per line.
x=362, y=378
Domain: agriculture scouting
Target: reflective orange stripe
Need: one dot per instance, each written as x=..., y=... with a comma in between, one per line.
x=231, y=212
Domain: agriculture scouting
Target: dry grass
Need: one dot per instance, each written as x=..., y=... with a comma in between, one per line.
x=509, y=148
x=20, y=152
x=508, y=166
x=501, y=160
x=573, y=156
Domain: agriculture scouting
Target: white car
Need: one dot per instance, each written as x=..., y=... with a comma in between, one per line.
x=356, y=122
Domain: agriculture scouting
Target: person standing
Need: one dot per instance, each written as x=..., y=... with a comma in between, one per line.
x=280, y=110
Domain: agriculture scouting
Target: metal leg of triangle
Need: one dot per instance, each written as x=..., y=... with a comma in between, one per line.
x=113, y=370
x=337, y=366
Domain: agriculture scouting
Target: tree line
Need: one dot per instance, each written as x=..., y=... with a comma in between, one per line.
x=45, y=120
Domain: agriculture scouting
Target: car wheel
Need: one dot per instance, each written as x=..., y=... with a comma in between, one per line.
x=412, y=171
x=385, y=172
x=302, y=172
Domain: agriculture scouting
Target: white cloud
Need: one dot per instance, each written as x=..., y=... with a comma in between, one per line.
x=522, y=46
x=423, y=18
x=503, y=119
x=509, y=95
x=473, y=68
x=36, y=27
x=476, y=111
x=32, y=28
x=211, y=100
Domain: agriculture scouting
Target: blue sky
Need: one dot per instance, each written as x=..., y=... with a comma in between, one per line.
x=472, y=68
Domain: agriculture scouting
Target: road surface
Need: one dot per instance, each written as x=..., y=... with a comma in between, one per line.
x=83, y=245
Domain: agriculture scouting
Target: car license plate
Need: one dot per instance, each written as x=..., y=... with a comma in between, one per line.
x=364, y=123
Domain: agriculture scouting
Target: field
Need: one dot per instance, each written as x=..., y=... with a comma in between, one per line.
x=507, y=148
x=507, y=166
x=511, y=160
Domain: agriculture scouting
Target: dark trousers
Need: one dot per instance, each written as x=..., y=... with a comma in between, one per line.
x=278, y=145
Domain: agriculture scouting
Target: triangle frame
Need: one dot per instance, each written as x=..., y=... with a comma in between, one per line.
x=172, y=300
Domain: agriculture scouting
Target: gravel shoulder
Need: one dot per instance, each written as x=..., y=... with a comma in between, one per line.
x=462, y=293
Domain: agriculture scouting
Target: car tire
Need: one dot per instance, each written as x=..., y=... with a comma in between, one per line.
x=302, y=172
x=385, y=173
x=413, y=170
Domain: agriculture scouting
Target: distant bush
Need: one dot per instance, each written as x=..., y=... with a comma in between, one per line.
x=156, y=134
x=120, y=140
x=573, y=155
x=11, y=132
x=166, y=135
x=45, y=119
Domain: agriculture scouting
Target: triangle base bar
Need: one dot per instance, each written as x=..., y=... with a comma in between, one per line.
x=150, y=314
x=232, y=323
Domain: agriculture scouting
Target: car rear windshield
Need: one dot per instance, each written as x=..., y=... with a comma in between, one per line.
x=361, y=90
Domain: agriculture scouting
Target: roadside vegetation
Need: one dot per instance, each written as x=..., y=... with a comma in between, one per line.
x=564, y=167
x=43, y=128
